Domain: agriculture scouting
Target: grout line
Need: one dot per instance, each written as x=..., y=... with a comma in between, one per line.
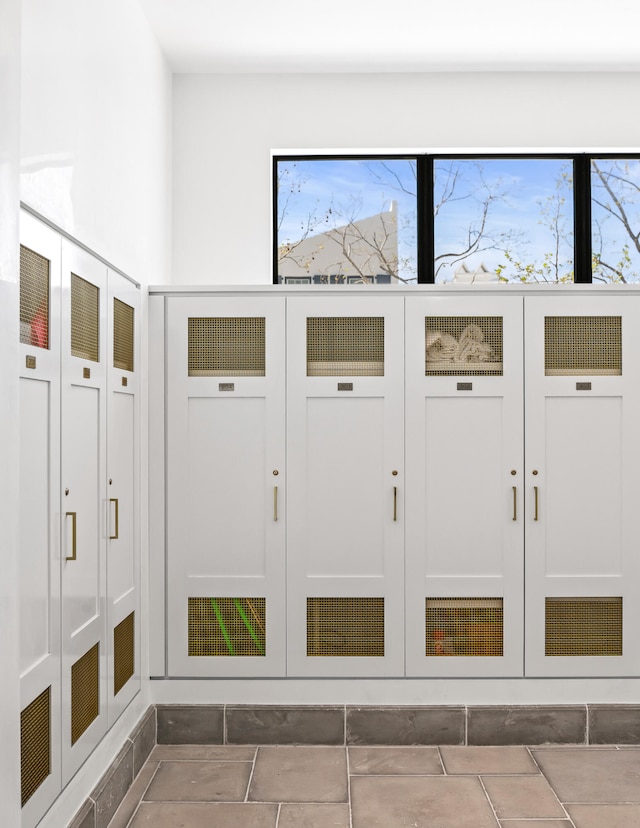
x=535, y=762
x=278, y=814
x=587, y=733
x=444, y=770
x=466, y=725
x=346, y=749
x=250, y=780
x=486, y=793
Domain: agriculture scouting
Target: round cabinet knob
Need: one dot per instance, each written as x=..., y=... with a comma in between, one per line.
x=276, y=472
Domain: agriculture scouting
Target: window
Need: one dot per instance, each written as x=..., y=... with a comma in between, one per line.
x=456, y=219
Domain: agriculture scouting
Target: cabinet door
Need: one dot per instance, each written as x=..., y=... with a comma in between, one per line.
x=39, y=502
x=225, y=486
x=83, y=497
x=345, y=452
x=464, y=503
x=582, y=483
x=123, y=501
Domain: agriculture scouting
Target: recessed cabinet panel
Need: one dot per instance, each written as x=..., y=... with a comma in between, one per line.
x=346, y=503
x=225, y=476
x=464, y=508
x=583, y=513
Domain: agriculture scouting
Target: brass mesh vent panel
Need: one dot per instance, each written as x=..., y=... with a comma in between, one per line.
x=345, y=627
x=345, y=346
x=463, y=346
x=35, y=744
x=576, y=345
x=124, y=654
x=583, y=627
x=226, y=346
x=464, y=626
x=34, y=298
x=123, y=326
x=227, y=626
x=85, y=319
x=85, y=692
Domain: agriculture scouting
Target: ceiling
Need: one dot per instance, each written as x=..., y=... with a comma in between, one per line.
x=397, y=35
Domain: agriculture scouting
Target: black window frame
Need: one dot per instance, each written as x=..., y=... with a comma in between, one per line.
x=582, y=229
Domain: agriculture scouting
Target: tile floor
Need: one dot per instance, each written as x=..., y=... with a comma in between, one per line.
x=391, y=787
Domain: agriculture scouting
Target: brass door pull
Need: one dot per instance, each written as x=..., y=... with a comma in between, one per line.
x=74, y=536
x=395, y=503
x=515, y=501
x=275, y=503
x=535, y=502
x=115, y=500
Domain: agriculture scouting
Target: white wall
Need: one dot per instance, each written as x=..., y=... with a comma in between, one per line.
x=96, y=129
x=95, y=159
x=225, y=127
x=9, y=199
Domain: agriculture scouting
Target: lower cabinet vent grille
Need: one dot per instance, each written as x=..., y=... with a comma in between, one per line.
x=345, y=627
x=124, y=652
x=85, y=692
x=583, y=626
x=464, y=626
x=227, y=626
x=35, y=744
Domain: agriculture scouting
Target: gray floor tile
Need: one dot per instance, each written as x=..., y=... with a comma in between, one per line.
x=299, y=774
x=594, y=776
x=213, y=753
x=199, y=782
x=523, y=797
x=419, y=802
x=314, y=816
x=605, y=816
x=205, y=815
x=384, y=761
x=485, y=760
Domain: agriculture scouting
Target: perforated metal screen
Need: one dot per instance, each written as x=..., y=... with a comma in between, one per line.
x=583, y=626
x=575, y=345
x=35, y=744
x=85, y=319
x=85, y=692
x=34, y=298
x=464, y=626
x=123, y=335
x=124, y=654
x=226, y=346
x=345, y=627
x=345, y=346
x=463, y=345
x=227, y=626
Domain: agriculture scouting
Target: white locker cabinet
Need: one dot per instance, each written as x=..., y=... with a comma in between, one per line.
x=464, y=502
x=226, y=481
x=39, y=521
x=79, y=531
x=123, y=503
x=83, y=497
x=345, y=458
x=582, y=480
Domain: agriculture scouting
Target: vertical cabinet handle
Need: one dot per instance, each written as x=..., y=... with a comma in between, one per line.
x=395, y=503
x=115, y=500
x=275, y=503
x=535, y=503
x=74, y=537
x=515, y=501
